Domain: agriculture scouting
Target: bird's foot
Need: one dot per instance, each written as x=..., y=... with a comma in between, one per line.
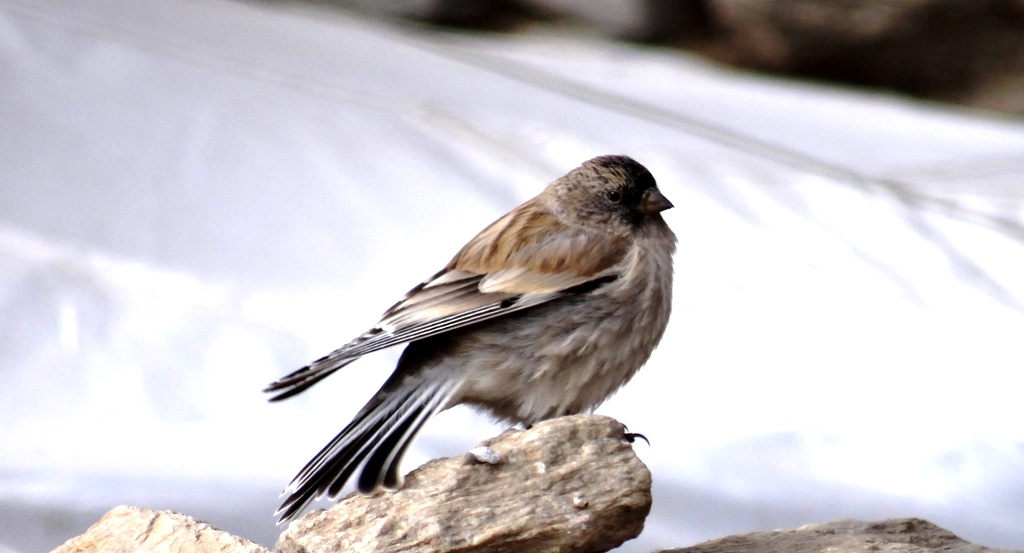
x=631, y=437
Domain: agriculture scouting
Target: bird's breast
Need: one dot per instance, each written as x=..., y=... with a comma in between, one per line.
x=568, y=356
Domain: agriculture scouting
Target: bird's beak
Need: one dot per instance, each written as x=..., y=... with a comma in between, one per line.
x=654, y=202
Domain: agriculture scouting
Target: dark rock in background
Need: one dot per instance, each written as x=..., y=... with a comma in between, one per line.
x=969, y=52
x=962, y=51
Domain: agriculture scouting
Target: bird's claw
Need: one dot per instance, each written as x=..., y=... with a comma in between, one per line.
x=631, y=437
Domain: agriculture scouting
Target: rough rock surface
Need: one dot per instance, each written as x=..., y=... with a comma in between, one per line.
x=906, y=535
x=142, y=530
x=568, y=484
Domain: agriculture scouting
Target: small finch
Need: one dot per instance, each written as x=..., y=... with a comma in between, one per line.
x=545, y=313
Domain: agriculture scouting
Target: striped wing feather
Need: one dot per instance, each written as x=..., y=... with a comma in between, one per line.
x=524, y=259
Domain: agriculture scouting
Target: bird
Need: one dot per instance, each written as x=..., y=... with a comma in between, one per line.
x=546, y=312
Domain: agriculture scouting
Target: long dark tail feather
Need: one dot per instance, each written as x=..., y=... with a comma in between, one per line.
x=392, y=478
x=381, y=467
x=328, y=472
x=302, y=379
x=375, y=440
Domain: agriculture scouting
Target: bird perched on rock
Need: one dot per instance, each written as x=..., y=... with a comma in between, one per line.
x=546, y=312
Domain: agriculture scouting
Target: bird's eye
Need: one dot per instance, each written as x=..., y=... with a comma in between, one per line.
x=614, y=196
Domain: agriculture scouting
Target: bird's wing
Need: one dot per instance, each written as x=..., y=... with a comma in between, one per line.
x=524, y=259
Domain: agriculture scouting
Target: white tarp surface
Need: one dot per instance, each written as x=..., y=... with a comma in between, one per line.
x=197, y=197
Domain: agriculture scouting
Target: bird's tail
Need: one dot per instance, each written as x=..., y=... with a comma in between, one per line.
x=376, y=439
x=300, y=380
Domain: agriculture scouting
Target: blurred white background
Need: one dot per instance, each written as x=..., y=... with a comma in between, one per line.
x=197, y=197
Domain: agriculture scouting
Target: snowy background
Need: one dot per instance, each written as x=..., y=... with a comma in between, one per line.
x=197, y=197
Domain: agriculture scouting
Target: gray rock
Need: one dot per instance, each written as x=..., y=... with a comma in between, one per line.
x=145, y=530
x=905, y=535
x=568, y=484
